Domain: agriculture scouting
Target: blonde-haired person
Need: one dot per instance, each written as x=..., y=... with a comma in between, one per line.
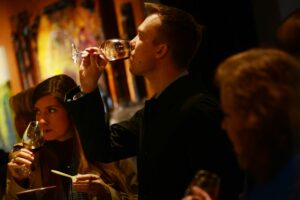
x=62, y=151
x=260, y=97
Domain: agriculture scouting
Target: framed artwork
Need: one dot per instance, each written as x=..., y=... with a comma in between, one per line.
x=23, y=38
x=43, y=49
x=57, y=30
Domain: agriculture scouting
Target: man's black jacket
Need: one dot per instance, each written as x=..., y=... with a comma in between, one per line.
x=173, y=136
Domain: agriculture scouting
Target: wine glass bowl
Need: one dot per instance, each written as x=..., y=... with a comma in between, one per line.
x=115, y=49
x=32, y=140
x=207, y=181
x=33, y=136
x=112, y=49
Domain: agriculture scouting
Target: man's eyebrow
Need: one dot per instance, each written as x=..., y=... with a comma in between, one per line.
x=139, y=31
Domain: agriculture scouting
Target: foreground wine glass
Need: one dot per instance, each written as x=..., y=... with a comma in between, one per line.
x=112, y=49
x=32, y=139
x=207, y=181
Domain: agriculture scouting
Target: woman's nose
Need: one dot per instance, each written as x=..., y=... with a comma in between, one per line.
x=42, y=120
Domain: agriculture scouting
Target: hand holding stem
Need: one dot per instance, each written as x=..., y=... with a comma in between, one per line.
x=92, y=66
x=20, y=162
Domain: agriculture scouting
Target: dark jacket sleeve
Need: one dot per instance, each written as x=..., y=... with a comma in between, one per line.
x=100, y=142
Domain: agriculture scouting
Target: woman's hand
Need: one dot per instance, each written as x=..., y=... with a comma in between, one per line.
x=91, y=184
x=20, y=159
x=198, y=194
x=92, y=66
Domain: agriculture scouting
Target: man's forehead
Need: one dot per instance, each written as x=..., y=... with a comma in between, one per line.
x=153, y=19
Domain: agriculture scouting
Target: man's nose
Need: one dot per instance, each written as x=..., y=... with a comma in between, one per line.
x=132, y=43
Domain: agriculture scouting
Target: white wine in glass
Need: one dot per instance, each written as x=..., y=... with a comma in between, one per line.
x=112, y=49
x=33, y=136
x=32, y=139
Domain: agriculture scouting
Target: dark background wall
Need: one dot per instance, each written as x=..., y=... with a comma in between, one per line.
x=231, y=26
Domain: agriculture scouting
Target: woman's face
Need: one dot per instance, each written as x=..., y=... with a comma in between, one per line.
x=233, y=123
x=239, y=127
x=53, y=118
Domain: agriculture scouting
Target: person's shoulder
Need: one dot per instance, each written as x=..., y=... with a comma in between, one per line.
x=204, y=100
x=200, y=106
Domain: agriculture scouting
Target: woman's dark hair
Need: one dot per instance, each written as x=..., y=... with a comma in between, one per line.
x=21, y=104
x=57, y=86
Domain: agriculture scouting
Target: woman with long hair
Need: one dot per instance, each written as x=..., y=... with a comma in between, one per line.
x=61, y=151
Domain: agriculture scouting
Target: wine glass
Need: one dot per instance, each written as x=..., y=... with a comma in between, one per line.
x=112, y=49
x=207, y=181
x=32, y=139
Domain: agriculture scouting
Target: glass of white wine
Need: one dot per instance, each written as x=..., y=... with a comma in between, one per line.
x=112, y=49
x=32, y=139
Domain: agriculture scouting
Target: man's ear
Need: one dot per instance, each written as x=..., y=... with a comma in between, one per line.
x=162, y=50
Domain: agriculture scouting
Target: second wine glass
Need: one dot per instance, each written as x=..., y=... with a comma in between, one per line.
x=207, y=181
x=112, y=49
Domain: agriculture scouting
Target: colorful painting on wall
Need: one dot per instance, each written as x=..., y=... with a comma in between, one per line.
x=58, y=30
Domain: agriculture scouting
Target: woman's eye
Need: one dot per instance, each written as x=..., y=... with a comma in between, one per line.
x=51, y=110
x=36, y=112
